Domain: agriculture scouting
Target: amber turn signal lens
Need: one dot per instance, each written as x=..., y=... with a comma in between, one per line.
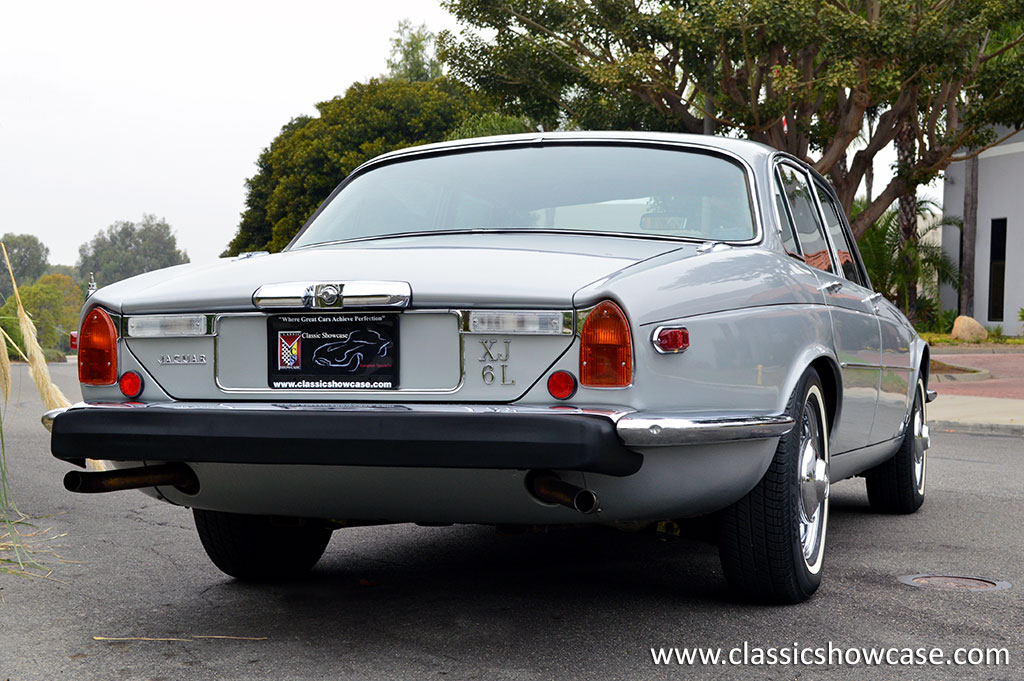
x=130, y=384
x=97, y=349
x=606, y=350
x=562, y=385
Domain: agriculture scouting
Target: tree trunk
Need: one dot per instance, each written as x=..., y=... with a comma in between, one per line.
x=968, y=238
x=869, y=174
x=907, y=211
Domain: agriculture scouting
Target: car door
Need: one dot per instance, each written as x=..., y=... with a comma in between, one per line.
x=856, y=332
x=895, y=389
x=864, y=371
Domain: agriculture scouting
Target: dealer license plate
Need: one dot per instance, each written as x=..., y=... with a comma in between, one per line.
x=333, y=352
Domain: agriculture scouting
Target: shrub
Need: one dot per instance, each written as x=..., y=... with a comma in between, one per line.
x=54, y=355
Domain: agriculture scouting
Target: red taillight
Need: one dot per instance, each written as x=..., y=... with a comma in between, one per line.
x=562, y=385
x=130, y=384
x=606, y=351
x=74, y=340
x=669, y=340
x=97, y=349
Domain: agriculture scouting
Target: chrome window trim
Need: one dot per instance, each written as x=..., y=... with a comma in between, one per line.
x=847, y=232
x=781, y=160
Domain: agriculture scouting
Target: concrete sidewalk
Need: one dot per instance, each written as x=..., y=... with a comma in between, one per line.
x=978, y=415
x=994, y=406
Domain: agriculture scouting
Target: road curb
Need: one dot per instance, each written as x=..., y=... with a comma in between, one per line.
x=974, y=375
x=1009, y=429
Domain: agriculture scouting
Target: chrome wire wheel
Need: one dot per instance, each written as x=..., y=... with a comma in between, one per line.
x=813, y=481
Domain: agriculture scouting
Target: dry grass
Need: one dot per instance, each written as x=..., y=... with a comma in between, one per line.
x=23, y=546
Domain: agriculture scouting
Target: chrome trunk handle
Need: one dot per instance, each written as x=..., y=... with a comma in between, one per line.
x=333, y=295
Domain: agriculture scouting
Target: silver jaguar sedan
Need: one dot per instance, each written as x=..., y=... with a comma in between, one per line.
x=536, y=329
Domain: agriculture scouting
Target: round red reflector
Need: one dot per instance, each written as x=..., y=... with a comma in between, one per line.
x=562, y=385
x=131, y=384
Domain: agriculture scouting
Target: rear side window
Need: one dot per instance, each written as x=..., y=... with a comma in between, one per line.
x=844, y=254
x=785, y=224
x=805, y=218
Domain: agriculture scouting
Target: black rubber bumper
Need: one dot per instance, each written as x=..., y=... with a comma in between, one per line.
x=332, y=437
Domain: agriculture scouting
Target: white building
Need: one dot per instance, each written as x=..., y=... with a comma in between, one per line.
x=999, y=248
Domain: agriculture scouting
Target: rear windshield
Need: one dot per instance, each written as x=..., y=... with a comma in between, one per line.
x=619, y=189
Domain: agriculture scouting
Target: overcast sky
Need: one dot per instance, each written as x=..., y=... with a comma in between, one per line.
x=109, y=110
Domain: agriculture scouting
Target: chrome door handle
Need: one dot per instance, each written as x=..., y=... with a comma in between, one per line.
x=831, y=287
x=873, y=298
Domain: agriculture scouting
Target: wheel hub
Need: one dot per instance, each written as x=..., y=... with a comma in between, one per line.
x=814, y=484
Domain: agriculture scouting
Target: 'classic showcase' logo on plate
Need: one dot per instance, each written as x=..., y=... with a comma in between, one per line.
x=289, y=349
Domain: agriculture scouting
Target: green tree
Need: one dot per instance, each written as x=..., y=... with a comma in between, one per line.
x=44, y=304
x=897, y=266
x=412, y=53
x=311, y=156
x=71, y=306
x=29, y=260
x=485, y=125
x=128, y=248
x=799, y=76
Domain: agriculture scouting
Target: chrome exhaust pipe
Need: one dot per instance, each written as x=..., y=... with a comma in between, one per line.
x=176, y=475
x=551, y=489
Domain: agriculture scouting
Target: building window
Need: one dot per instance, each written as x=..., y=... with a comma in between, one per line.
x=997, y=270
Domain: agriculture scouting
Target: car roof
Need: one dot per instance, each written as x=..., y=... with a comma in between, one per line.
x=751, y=152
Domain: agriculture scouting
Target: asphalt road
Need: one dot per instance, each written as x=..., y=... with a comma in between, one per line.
x=408, y=602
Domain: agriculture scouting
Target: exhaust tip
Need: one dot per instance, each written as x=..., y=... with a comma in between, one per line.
x=73, y=481
x=586, y=502
x=550, y=489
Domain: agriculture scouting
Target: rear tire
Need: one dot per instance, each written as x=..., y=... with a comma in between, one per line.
x=897, y=485
x=253, y=547
x=772, y=542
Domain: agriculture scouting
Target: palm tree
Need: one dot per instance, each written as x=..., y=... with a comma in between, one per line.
x=898, y=266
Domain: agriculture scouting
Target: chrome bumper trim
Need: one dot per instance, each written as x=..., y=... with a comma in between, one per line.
x=665, y=430
x=49, y=416
x=635, y=429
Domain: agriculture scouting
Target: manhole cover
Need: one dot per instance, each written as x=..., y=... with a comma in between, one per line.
x=954, y=582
